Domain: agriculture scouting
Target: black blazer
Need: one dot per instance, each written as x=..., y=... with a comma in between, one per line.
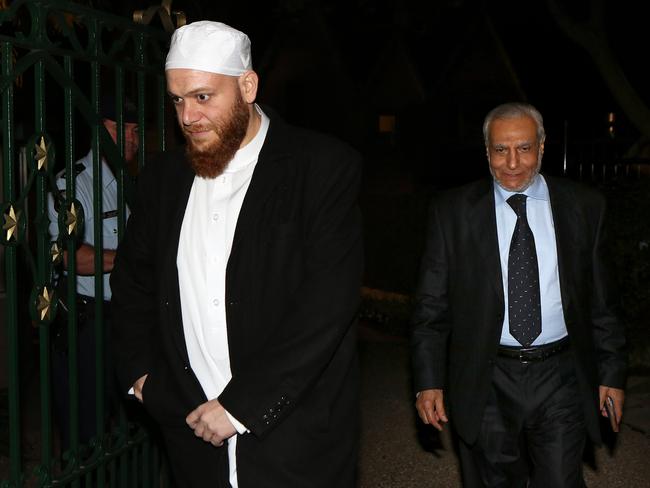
x=292, y=292
x=459, y=313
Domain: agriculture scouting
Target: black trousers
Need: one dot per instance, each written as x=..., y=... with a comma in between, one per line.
x=195, y=463
x=533, y=429
x=86, y=384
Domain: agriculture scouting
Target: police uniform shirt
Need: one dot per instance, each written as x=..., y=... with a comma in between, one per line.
x=84, y=193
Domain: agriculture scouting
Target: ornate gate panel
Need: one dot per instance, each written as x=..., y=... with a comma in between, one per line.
x=59, y=61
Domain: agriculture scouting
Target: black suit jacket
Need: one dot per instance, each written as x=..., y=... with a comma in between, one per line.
x=292, y=292
x=459, y=314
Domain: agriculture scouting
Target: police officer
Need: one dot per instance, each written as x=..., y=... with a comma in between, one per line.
x=85, y=275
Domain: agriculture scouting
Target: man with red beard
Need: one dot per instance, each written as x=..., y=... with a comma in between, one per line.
x=236, y=286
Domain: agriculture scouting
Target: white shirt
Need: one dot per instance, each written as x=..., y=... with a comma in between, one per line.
x=204, y=247
x=540, y=219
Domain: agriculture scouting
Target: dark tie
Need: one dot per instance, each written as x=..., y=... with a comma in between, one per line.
x=524, y=306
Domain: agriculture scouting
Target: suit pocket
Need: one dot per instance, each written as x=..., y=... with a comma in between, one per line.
x=314, y=411
x=161, y=402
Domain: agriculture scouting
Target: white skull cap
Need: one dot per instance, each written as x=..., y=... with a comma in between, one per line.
x=210, y=46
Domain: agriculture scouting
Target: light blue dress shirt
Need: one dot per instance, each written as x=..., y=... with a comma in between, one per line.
x=540, y=219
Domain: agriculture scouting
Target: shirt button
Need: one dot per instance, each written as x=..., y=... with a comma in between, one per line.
x=215, y=302
x=215, y=217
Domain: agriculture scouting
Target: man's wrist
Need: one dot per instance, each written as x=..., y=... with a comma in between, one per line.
x=241, y=428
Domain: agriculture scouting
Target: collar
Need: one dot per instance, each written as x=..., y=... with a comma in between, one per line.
x=538, y=190
x=250, y=152
x=107, y=175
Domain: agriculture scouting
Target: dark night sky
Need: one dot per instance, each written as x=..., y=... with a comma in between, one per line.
x=443, y=40
x=545, y=59
x=555, y=73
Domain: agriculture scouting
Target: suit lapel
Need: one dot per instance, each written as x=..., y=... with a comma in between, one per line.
x=177, y=202
x=483, y=227
x=565, y=221
x=266, y=177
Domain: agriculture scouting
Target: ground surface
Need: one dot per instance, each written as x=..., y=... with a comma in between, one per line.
x=396, y=453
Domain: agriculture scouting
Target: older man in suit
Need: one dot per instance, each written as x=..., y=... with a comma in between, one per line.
x=237, y=284
x=515, y=331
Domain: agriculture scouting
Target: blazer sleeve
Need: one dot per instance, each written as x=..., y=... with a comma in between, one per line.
x=133, y=302
x=431, y=321
x=608, y=330
x=319, y=318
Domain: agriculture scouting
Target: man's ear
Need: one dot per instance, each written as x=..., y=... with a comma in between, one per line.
x=248, y=86
x=111, y=127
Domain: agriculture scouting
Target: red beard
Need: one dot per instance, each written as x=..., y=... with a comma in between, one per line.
x=210, y=161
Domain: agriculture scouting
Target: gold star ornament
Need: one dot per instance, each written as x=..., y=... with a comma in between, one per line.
x=41, y=154
x=56, y=253
x=44, y=304
x=12, y=218
x=71, y=218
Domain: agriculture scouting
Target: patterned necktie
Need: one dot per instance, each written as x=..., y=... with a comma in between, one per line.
x=524, y=305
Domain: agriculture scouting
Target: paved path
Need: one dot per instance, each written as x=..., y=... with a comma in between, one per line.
x=397, y=453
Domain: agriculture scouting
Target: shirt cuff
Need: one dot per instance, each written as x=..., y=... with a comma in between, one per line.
x=241, y=429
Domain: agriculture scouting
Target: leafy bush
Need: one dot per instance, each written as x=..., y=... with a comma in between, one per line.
x=629, y=228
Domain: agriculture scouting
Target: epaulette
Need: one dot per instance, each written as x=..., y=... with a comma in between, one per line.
x=78, y=169
x=59, y=196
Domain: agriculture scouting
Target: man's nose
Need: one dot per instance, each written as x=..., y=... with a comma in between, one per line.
x=512, y=159
x=131, y=135
x=189, y=115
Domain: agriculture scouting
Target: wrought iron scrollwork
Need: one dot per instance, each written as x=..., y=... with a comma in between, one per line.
x=165, y=12
x=79, y=31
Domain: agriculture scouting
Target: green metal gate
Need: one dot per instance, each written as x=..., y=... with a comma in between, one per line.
x=58, y=59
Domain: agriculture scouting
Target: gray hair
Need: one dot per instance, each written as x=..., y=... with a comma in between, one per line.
x=514, y=110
